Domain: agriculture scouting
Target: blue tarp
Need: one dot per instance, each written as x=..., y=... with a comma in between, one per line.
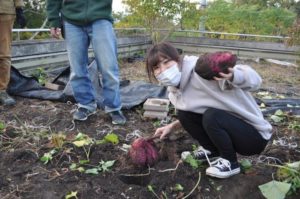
x=132, y=93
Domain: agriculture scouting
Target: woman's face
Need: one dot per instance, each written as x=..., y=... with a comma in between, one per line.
x=163, y=65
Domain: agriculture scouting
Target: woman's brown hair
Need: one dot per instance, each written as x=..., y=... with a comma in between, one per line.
x=157, y=53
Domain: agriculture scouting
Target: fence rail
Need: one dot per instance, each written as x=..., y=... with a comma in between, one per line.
x=29, y=54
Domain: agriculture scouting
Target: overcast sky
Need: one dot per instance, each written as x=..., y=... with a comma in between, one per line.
x=119, y=7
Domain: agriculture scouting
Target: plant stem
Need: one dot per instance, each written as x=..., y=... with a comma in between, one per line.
x=173, y=169
x=199, y=178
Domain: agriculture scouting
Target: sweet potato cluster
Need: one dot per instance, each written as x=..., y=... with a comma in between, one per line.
x=142, y=152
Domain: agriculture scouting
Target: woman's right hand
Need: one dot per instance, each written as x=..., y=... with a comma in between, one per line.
x=162, y=132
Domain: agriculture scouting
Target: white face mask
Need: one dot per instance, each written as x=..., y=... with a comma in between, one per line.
x=170, y=77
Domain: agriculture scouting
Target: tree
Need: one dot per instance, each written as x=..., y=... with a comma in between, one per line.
x=294, y=31
x=266, y=3
x=161, y=14
x=224, y=16
x=35, y=13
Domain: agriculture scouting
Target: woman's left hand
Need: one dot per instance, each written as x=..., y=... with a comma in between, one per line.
x=225, y=76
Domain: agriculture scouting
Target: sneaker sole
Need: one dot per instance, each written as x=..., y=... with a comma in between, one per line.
x=85, y=118
x=233, y=172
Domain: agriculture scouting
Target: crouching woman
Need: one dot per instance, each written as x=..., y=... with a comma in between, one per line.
x=214, y=105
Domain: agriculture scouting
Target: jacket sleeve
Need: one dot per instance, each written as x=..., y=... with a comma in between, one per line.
x=19, y=3
x=53, y=8
x=246, y=78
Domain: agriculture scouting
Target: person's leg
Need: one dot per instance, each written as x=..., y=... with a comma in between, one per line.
x=231, y=134
x=77, y=41
x=77, y=46
x=104, y=44
x=6, y=24
x=105, y=47
x=192, y=123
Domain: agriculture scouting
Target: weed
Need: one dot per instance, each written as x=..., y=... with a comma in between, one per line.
x=104, y=166
x=109, y=138
x=194, y=163
x=40, y=75
x=151, y=189
x=178, y=187
x=58, y=140
x=71, y=195
x=290, y=173
x=48, y=156
x=279, y=116
x=245, y=165
x=2, y=126
x=295, y=125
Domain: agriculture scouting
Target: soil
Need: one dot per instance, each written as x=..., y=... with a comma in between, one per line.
x=32, y=128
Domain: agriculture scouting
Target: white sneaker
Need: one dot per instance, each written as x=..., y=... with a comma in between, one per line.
x=222, y=168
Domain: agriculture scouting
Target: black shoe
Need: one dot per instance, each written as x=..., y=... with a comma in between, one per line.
x=200, y=154
x=222, y=168
x=117, y=117
x=6, y=100
x=82, y=114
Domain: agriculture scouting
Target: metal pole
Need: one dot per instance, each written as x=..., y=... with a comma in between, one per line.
x=203, y=5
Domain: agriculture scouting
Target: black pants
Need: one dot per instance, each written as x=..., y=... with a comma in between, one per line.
x=222, y=133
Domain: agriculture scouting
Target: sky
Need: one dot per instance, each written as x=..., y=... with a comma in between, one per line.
x=119, y=7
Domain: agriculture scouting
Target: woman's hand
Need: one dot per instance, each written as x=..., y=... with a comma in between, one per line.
x=162, y=132
x=225, y=76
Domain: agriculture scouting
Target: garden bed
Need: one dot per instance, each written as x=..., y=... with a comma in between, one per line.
x=97, y=168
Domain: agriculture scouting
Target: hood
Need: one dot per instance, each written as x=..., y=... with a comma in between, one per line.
x=187, y=69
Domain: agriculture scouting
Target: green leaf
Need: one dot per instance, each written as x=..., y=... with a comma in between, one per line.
x=73, y=194
x=46, y=158
x=294, y=165
x=2, y=126
x=80, y=169
x=105, y=166
x=275, y=189
x=79, y=136
x=150, y=188
x=82, y=143
x=93, y=171
x=73, y=166
x=111, y=137
x=246, y=164
x=83, y=161
x=279, y=113
x=178, y=187
x=276, y=118
x=192, y=162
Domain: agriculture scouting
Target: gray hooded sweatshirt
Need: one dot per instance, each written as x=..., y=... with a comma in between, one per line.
x=196, y=94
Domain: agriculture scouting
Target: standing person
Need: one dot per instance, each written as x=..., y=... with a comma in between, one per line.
x=211, y=95
x=85, y=22
x=9, y=10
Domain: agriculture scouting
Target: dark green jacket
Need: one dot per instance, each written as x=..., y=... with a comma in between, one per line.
x=78, y=12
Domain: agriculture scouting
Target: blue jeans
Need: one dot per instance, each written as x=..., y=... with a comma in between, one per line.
x=101, y=35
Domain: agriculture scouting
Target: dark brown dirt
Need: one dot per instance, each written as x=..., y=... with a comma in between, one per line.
x=31, y=123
